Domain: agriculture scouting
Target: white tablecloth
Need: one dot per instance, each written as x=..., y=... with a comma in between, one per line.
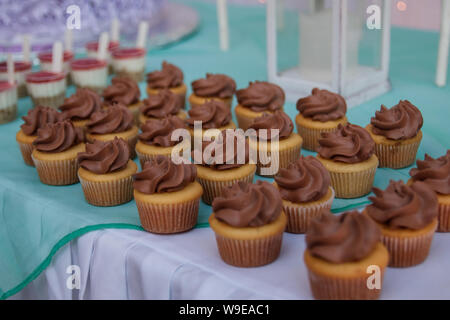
x=129, y=264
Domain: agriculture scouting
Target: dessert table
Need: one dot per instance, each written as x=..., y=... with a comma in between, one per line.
x=45, y=229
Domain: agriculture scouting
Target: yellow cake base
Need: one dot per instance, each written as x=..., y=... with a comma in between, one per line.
x=58, y=168
x=249, y=246
x=288, y=151
x=195, y=100
x=299, y=215
x=351, y=180
x=26, y=146
x=345, y=281
x=245, y=116
x=213, y=181
x=130, y=136
x=180, y=91
x=169, y=212
x=395, y=154
x=108, y=189
x=311, y=130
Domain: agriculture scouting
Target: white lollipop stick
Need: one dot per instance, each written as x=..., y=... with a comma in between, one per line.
x=68, y=40
x=26, y=47
x=222, y=18
x=142, y=35
x=10, y=68
x=103, y=46
x=57, y=57
x=443, y=53
x=115, y=30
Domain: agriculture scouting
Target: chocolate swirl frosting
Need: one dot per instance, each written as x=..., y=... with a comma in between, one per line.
x=401, y=206
x=161, y=175
x=123, y=90
x=248, y=205
x=349, y=144
x=158, y=132
x=103, y=157
x=81, y=105
x=170, y=76
x=347, y=237
x=402, y=121
x=116, y=118
x=278, y=120
x=214, y=85
x=434, y=172
x=322, y=105
x=261, y=96
x=304, y=180
x=37, y=118
x=161, y=105
x=227, y=143
x=212, y=114
x=58, y=137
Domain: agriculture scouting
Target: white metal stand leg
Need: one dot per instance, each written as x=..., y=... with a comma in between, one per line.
x=442, y=62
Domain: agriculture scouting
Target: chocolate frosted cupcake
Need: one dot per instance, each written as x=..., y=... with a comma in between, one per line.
x=436, y=174
x=36, y=118
x=306, y=192
x=348, y=154
x=156, y=139
x=249, y=222
x=407, y=216
x=55, y=153
x=397, y=135
x=211, y=115
x=225, y=168
x=80, y=106
x=112, y=122
x=169, y=77
x=340, y=251
x=167, y=196
x=274, y=149
x=320, y=112
x=106, y=172
x=123, y=90
x=213, y=87
x=163, y=104
x=258, y=98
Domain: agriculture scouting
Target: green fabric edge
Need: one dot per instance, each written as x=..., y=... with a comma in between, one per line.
x=79, y=232
x=63, y=241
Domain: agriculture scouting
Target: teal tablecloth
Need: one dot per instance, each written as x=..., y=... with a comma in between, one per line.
x=36, y=220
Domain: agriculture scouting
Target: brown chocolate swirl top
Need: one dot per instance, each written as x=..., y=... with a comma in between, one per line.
x=248, y=205
x=116, y=118
x=304, y=180
x=261, y=96
x=212, y=114
x=434, y=172
x=322, y=105
x=158, y=132
x=103, y=157
x=81, y=105
x=161, y=175
x=161, y=105
x=278, y=121
x=58, y=137
x=214, y=85
x=402, y=121
x=401, y=206
x=170, y=76
x=349, y=144
x=37, y=118
x=347, y=237
x=228, y=157
x=123, y=90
